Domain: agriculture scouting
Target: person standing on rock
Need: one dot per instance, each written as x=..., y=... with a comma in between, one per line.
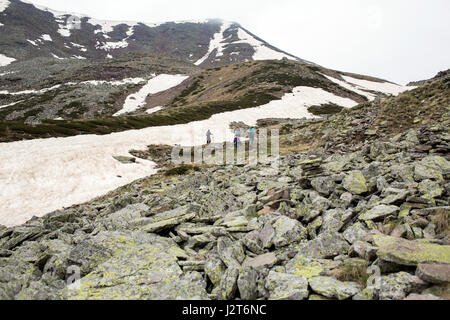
x=208, y=137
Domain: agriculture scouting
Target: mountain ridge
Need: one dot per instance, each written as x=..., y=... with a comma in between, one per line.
x=29, y=31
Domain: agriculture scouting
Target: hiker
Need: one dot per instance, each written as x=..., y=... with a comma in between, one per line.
x=208, y=136
x=251, y=135
x=237, y=137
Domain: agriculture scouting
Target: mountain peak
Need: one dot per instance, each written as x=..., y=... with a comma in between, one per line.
x=206, y=43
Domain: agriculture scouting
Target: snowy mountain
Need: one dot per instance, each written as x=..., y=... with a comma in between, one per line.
x=28, y=31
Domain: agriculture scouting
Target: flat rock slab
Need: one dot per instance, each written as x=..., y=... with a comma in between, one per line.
x=283, y=286
x=434, y=273
x=379, y=212
x=410, y=253
x=265, y=260
x=332, y=288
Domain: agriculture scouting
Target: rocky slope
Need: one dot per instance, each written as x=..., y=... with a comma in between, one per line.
x=28, y=31
x=358, y=209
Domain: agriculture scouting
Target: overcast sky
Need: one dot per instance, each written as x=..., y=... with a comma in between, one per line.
x=398, y=40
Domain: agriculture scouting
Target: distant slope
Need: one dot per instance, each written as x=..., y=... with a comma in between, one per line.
x=203, y=94
x=28, y=31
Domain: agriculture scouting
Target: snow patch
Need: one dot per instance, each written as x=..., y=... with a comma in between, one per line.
x=108, y=26
x=65, y=32
x=122, y=82
x=262, y=51
x=4, y=60
x=11, y=104
x=112, y=45
x=352, y=87
x=384, y=87
x=56, y=57
x=33, y=43
x=4, y=4
x=153, y=110
x=68, y=171
x=157, y=84
x=79, y=46
x=216, y=44
x=46, y=37
x=7, y=73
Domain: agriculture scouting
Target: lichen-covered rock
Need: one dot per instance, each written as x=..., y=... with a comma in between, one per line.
x=397, y=286
x=283, y=286
x=326, y=246
x=356, y=232
x=247, y=284
x=430, y=189
x=15, y=274
x=231, y=253
x=309, y=268
x=379, y=212
x=323, y=185
x=214, y=269
x=434, y=273
x=332, y=288
x=410, y=253
x=266, y=260
x=123, y=219
x=142, y=266
x=288, y=231
x=355, y=182
x=369, y=294
x=228, y=285
x=431, y=167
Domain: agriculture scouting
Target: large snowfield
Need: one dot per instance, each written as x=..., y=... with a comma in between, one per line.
x=44, y=175
x=40, y=176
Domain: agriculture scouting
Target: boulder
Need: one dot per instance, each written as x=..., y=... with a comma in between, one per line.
x=356, y=232
x=288, y=231
x=355, y=182
x=434, y=273
x=410, y=253
x=247, y=284
x=326, y=246
x=379, y=213
x=124, y=219
x=138, y=266
x=283, y=286
x=309, y=268
x=332, y=288
x=215, y=269
x=397, y=286
x=228, y=285
x=323, y=185
x=267, y=260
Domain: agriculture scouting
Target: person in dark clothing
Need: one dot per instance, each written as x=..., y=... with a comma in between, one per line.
x=208, y=137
